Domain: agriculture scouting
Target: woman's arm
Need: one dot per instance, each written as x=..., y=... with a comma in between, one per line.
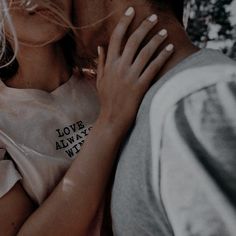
x=122, y=83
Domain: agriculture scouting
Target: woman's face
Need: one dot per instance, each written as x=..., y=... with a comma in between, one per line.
x=40, y=22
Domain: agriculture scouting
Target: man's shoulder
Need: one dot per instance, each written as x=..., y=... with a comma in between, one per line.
x=203, y=93
x=205, y=96
x=198, y=68
x=205, y=120
x=211, y=113
x=198, y=149
x=213, y=94
x=193, y=79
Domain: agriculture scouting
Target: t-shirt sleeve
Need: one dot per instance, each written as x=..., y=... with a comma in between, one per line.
x=8, y=173
x=198, y=162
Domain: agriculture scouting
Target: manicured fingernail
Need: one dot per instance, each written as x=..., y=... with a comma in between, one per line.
x=163, y=32
x=129, y=11
x=169, y=47
x=27, y=3
x=99, y=50
x=152, y=18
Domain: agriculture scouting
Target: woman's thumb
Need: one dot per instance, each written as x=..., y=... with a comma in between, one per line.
x=101, y=62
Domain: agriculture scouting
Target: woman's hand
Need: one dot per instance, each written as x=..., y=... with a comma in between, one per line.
x=125, y=76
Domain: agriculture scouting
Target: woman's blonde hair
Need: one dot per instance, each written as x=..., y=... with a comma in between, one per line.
x=8, y=62
x=6, y=20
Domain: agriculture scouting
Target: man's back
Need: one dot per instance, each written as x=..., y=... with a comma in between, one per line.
x=174, y=206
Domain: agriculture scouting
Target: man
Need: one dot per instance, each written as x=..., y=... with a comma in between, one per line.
x=176, y=171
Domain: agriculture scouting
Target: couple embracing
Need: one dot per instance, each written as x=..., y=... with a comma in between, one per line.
x=159, y=121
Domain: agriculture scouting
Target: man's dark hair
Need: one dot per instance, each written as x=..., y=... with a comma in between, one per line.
x=176, y=6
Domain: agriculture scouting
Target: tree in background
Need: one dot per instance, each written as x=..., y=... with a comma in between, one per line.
x=209, y=21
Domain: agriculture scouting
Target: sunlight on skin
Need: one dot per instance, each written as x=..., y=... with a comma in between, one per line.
x=67, y=184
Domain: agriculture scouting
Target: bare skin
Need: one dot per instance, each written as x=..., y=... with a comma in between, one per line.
x=90, y=37
x=94, y=31
x=73, y=204
x=46, y=56
x=39, y=46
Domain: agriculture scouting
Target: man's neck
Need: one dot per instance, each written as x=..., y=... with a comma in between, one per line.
x=176, y=32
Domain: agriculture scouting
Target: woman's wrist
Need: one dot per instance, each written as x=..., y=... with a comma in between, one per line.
x=111, y=126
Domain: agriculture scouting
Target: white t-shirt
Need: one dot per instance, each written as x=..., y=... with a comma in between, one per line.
x=41, y=133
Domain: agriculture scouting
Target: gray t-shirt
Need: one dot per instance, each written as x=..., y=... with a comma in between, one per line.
x=178, y=177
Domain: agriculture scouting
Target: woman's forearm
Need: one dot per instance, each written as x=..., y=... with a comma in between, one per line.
x=122, y=82
x=73, y=204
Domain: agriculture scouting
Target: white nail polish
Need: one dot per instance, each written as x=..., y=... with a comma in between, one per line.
x=152, y=18
x=27, y=3
x=99, y=50
x=169, y=47
x=163, y=32
x=129, y=11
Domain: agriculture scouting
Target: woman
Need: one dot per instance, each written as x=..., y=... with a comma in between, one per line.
x=48, y=186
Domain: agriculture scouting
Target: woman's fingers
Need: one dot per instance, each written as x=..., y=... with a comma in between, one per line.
x=122, y=84
x=155, y=66
x=101, y=63
x=136, y=38
x=118, y=34
x=147, y=52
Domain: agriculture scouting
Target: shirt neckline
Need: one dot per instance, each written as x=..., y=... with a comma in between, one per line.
x=36, y=91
